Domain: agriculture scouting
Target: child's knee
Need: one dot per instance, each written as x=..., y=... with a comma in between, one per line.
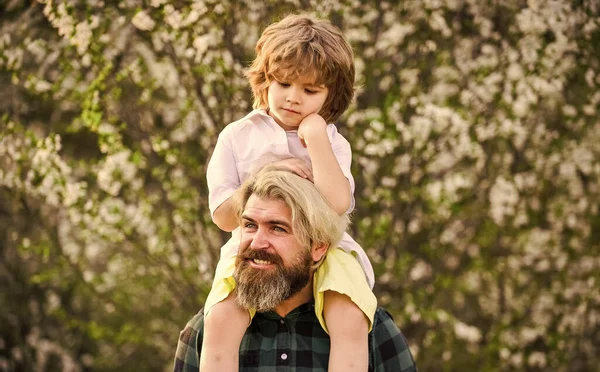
x=339, y=308
x=226, y=311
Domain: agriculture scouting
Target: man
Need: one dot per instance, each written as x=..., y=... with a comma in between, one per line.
x=286, y=229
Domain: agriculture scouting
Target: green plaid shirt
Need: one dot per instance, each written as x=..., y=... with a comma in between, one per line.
x=297, y=343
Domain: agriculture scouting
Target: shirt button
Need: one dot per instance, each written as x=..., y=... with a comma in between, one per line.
x=282, y=321
x=283, y=356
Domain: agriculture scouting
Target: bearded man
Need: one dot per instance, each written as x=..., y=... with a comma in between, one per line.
x=286, y=229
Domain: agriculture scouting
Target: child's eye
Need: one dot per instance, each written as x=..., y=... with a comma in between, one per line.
x=284, y=84
x=310, y=91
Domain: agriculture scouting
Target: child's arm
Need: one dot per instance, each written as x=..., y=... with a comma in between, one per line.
x=222, y=179
x=328, y=176
x=224, y=216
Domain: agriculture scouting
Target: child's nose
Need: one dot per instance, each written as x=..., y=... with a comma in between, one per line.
x=293, y=96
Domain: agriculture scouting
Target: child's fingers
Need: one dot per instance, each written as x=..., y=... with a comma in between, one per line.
x=303, y=170
x=298, y=167
x=308, y=173
x=299, y=171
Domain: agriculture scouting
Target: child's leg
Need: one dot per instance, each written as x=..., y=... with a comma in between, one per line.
x=348, y=331
x=224, y=328
x=345, y=307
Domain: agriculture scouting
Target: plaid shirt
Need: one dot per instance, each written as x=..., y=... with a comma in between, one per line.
x=297, y=343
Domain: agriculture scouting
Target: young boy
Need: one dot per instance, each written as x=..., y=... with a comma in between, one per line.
x=302, y=79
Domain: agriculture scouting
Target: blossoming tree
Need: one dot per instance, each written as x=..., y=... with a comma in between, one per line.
x=475, y=133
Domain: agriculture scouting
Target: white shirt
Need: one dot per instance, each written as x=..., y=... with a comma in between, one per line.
x=246, y=145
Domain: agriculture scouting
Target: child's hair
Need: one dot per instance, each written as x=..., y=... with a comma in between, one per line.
x=302, y=45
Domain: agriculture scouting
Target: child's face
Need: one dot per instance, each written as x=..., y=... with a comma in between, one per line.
x=291, y=101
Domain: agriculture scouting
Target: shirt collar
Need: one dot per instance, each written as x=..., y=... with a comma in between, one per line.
x=306, y=307
x=269, y=120
x=265, y=116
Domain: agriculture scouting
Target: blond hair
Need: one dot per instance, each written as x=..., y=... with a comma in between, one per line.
x=304, y=46
x=314, y=221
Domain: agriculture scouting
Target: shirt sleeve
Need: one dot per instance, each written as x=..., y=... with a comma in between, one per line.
x=221, y=174
x=389, y=348
x=187, y=357
x=343, y=153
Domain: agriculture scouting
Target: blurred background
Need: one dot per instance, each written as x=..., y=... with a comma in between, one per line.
x=476, y=141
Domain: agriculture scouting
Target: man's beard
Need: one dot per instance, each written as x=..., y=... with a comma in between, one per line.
x=263, y=290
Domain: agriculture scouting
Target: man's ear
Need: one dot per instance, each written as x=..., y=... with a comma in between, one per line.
x=318, y=251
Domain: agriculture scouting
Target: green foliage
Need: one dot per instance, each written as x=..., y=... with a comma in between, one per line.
x=474, y=133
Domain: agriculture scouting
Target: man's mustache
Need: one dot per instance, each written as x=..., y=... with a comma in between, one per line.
x=251, y=254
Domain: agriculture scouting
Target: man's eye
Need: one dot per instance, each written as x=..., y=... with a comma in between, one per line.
x=249, y=225
x=279, y=229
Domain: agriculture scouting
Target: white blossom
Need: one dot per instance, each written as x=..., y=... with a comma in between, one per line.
x=393, y=36
x=82, y=37
x=116, y=169
x=537, y=359
x=143, y=21
x=466, y=332
x=420, y=271
x=42, y=86
x=503, y=199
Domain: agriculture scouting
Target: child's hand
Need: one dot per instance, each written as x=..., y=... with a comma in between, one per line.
x=311, y=125
x=297, y=166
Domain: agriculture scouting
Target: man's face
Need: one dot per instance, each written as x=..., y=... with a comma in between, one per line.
x=271, y=265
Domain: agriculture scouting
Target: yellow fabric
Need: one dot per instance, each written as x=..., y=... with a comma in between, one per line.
x=340, y=272
x=223, y=284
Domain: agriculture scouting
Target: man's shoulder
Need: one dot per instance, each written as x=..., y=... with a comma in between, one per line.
x=390, y=350
x=186, y=356
x=384, y=319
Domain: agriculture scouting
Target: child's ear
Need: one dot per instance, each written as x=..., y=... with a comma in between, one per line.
x=318, y=251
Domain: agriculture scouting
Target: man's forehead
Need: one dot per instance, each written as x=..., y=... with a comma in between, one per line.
x=267, y=209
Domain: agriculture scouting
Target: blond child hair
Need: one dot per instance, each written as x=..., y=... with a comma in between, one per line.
x=302, y=45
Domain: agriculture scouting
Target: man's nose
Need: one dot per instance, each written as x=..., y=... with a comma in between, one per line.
x=259, y=240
